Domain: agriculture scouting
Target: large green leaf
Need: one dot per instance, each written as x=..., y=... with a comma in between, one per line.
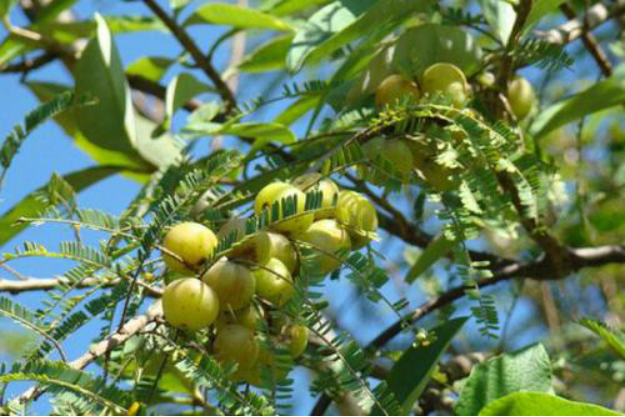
x=151, y=68
x=541, y=404
x=338, y=24
x=156, y=145
x=613, y=337
x=412, y=371
x=285, y=7
x=268, y=56
x=67, y=121
x=500, y=15
x=180, y=90
x=540, y=9
x=526, y=370
x=435, y=250
x=602, y=95
x=237, y=16
x=31, y=206
x=110, y=124
x=428, y=44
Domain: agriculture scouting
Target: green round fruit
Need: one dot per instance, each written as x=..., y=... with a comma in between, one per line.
x=234, y=284
x=191, y=242
x=276, y=193
x=359, y=217
x=246, y=317
x=236, y=343
x=329, y=193
x=439, y=177
x=448, y=80
x=394, y=89
x=326, y=237
x=521, y=97
x=190, y=304
x=273, y=245
x=274, y=282
x=298, y=339
x=244, y=246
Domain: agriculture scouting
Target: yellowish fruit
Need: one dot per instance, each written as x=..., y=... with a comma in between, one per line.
x=329, y=193
x=359, y=217
x=394, y=89
x=273, y=245
x=521, y=97
x=236, y=343
x=448, y=80
x=275, y=194
x=326, y=238
x=244, y=246
x=192, y=242
x=298, y=339
x=234, y=284
x=246, y=317
x=190, y=304
x=274, y=282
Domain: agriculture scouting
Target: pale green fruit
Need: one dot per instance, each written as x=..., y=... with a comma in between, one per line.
x=234, y=284
x=190, y=304
x=191, y=242
x=439, y=177
x=394, y=89
x=273, y=245
x=298, y=339
x=448, y=80
x=266, y=360
x=246, y=317
x=236, y=343
x=329, y=193
x=359, y=217
x=244, y=246
x=276, y=193
x=395, y=156
x=521, y=97
x=274, y=282
x=326, y=238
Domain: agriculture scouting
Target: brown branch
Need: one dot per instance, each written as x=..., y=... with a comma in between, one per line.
x=590, y=42
x=30, y=64
x=130, y=329
x=573, y=29
x=200, y=59
x=539, y=270
x=47, y=284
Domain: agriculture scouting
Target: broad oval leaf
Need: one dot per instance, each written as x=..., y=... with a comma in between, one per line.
x=269, y=56
x=236, y=16
x=526, y=370
x=431, y=43
x=541, y=404
x=435, y=250
x=602, y=95
x=540, y=9
x=179, y=91
x=152, y=68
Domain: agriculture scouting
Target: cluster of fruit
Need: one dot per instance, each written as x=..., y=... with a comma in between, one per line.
x=406, y=155
x=257, y=274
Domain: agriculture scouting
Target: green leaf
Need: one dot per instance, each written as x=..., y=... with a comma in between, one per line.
x=179, y=91
x=110, y=124
x=152, y=68
x=31, y=206
x=602, y=95
x=430, y=43
x=44, y=92
x=269, y=56
x=500, y=15
x=526, y=370
x=413, y=369
x=285, y=7
x=237, y=16
x=336, y=25
x=435, y=250
x=156, y=145
x=6, y=6
x=613, y=337
x=262, y=132
x=298, y=109
x=540, y=9
x=541, y=404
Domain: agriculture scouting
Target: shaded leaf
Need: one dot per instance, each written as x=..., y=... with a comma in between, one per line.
x=540, y=9
x=500, y=15
x=269, y=56
x=435, y=250
x=180, y=90
x=526, y=370
x=541, y=404
x=152, y=68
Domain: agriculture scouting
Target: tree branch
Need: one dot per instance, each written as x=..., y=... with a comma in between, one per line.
x=573, y=29
x=200, y=59
x=47, y=284
x=130, y=329
x=539, y=270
